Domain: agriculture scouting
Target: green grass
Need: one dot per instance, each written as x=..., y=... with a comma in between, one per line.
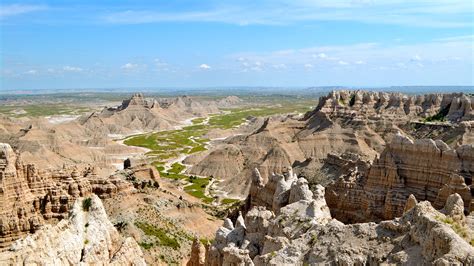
x=171, y=144
x=37, y=110
x=145, y=245
x=197, y=188
x=86, y=204
x=440, y=116
x=198, y=120
x=461, y=230
x=163, y=238
x=176, y=168
x=229, y=201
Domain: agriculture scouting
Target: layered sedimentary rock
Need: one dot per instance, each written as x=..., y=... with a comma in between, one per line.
x=29, y=197
x=139, y=114
x=301, y=231
x=86, y=237
x=396, y=106
x=430, y=170
x=357, y=122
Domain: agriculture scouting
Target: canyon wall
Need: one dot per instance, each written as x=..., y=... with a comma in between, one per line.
x=30, y=197
x=430, y=170
x=86, y=237
x=290, y=225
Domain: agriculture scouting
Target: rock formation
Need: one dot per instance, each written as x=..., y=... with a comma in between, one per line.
x=395, y=106
x=139, y=114
x=300, y=231
x=356, y=122
x=86, y=237
x=429, y=170
x=29, y=197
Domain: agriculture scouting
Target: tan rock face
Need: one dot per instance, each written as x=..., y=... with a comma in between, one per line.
x=395, y=106
x=141, y=114
x=357, y=122
x=429, y=170
x=303, y=232
x=30, y=197
x=86, y=237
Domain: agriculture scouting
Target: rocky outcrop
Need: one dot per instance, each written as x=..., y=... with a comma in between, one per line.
x=303, y=232
x=29, y=197
x=429, y=170
x=87, y=237
x=139, y=114
x=396, y=106
x=356, y=122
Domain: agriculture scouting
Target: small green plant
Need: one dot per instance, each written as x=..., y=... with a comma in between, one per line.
x=145, y=245
x=341, y=102
x=440, y=116
x=86, y=225
x=353, y=100
x=160, y=233
x=86, y=204
x=86, y=241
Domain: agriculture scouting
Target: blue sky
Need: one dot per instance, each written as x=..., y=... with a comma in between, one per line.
x=106, y=44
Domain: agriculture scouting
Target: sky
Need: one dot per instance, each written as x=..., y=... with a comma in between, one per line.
x=209, y=43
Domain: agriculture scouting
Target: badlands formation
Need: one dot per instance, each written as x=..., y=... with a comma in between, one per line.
x=357, y=122
x=364, y=178
x=88, y=139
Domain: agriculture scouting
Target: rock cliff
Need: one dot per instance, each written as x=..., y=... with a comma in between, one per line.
x=430, y=170
x=357, y=122
x=87, y=237
x=298, y=229
x=30, y=197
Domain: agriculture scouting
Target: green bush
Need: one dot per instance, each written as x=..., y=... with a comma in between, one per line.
x=86, y=204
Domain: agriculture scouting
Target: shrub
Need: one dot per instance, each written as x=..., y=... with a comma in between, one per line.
x=86, y=204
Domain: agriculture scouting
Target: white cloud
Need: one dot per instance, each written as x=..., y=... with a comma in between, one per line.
x=308, y=66
x=416, y=13
x=204, y=66
x=321, y=55
x=279, y=66
x=18, y=9
x=129, y=66
x=32, y=72
x=416, y=58
x=362, y=53
x=72, y=69
x=161, y=65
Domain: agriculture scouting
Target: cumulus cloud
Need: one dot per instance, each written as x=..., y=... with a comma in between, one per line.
x=129, y=66
x=320, y=55
x=360, y=62
x=32, y=72
x=204, y=66
x=416, y=58
x=343, y=63
x=72, y=69
x=308, y=66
